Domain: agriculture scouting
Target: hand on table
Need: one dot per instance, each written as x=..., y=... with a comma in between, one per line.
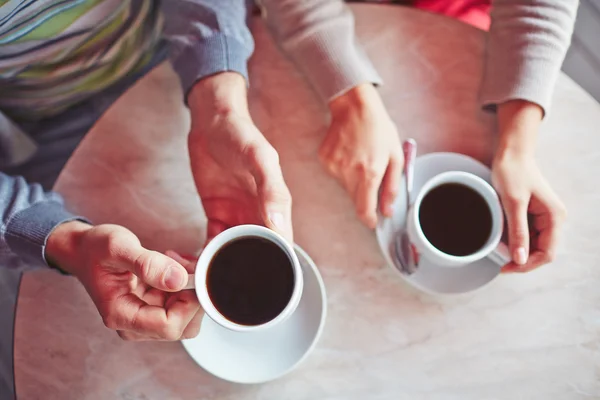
x=534, y=212
x=363, y=151
x=137, y=291
x=236, y=170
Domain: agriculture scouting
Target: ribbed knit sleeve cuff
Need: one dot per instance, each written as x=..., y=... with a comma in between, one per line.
x=532, y=80
x=209, y=56
x=337, y=63
x=28, y=230
x=525, y=48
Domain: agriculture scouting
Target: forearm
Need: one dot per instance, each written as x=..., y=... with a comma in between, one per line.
x=207, y=37
x=526, y=46
x=319, y=37
x=28, y=216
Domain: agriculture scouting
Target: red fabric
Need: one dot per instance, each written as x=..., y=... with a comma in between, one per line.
x=473, y=12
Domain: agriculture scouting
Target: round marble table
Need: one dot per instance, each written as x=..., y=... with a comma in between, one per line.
x=535, y=336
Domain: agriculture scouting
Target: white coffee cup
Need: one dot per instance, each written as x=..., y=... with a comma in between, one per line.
x=493, y=248
x=227, y=236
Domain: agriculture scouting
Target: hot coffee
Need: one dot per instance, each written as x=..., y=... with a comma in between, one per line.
x=250, y=281
x=455, y=219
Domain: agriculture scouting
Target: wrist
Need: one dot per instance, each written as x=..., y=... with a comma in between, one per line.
x=220, y=94
x=358, y=99
x=518, y=125
x=64, y=244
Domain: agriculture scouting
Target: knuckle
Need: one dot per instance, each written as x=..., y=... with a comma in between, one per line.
x=261, y=154
x=125, y=336
x=513, y=200
x=364, y=213
x=113, y=243
x=271, y=156
x=560, y=213
x=331, y=166
x=391, y=192
x=143, y=265
x=112, y=239
x=280, y=195
x=323, y=154
x=110, y=321
x=170, y=332
x=285, y=196
x=109, y=316
x=191, y=332
x=329, y=163
x=519, y=234
x=397, y=158
x=366, y=170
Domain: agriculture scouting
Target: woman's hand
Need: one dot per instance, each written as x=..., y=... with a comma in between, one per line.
x=534, y=212
x=363, y=151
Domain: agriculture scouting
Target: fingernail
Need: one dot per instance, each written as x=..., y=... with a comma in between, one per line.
x=174, y=278
x=277, y=220
x=520, y=256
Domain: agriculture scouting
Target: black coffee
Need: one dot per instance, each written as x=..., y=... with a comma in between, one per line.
x=250, y=281
x=455, y=219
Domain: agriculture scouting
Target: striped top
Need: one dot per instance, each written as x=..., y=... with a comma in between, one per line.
x=55, y=53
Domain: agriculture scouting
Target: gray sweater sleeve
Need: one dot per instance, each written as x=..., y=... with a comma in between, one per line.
x=211, y=36
x=28, y=216
x=318, y=36
x=527, y=43
x=207, y=37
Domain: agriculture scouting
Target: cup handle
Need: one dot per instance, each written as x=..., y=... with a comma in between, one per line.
x=500, y=255
x=191, y=282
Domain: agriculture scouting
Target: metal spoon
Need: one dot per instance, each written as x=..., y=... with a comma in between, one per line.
x=402, y=245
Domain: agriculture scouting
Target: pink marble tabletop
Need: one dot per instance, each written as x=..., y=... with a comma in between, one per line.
x=535, y=336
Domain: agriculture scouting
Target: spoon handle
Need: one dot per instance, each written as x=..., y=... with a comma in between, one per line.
x=410, y=153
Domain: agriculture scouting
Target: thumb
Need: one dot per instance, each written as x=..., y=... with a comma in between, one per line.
x=518, y=229
x=154, y=268
x=275, y=200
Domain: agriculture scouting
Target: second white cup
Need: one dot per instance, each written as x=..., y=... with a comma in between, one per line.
x=493, y=247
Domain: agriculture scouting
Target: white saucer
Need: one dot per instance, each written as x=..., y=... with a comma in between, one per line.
x=429, y=277
x=256, y=357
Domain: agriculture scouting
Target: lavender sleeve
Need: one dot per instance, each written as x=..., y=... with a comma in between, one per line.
x=207, y=37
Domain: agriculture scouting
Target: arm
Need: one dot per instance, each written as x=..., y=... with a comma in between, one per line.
x=207, y=37
x=212, y=45
x=318, y=36
x=527, y=44
x=29, y=215
x=362, y=148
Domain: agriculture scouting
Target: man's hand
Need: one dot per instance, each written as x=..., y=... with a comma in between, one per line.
x=534, y=212
x=235, y=168
x=363, y=151
x=137, y=291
